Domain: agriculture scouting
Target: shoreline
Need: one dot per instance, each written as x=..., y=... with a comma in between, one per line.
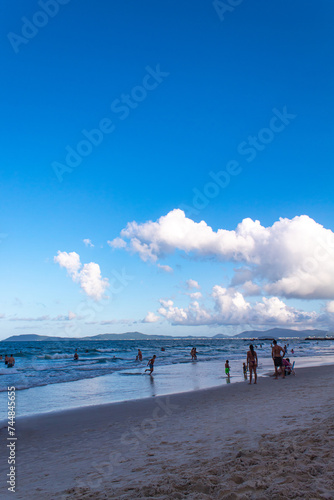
x=131, y=385
x=166, y=446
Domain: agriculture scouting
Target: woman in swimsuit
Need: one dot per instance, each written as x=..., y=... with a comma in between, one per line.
x=252, y=363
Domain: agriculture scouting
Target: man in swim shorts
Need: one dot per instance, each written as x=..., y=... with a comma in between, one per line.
x=150, y=365
x=11, y=361
x=277, y=358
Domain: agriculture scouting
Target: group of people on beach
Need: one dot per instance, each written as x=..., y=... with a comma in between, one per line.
x=9, y=361
x=250, y=365
x=282, y=365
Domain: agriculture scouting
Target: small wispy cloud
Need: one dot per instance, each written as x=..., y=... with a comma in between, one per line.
x=165, y=268
x=192, y=284
x=117, y=243
x=88, y=242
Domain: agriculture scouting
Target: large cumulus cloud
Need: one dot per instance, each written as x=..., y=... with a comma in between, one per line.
x=291, y=258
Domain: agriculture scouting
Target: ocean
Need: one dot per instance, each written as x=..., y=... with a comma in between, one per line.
x=47, y=378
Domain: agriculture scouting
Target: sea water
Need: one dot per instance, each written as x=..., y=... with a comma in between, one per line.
x=47, y=378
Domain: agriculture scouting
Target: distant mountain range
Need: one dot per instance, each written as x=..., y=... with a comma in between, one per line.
x=280, y=332
x=257, y=334
x=104, y=336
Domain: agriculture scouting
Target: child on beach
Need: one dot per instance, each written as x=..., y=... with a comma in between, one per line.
x=287, y=366
x=227, y=369
x=150, y=364
x=244, y=369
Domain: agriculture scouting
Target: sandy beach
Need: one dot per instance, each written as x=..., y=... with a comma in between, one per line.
x=272, y=440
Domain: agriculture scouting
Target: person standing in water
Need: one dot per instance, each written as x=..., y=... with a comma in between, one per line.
x=244, y=369
x=277, y=358
x=139, y=356
x=76, y=355
x=11, y=361
x=150, y=364
x=252, y=364
x=227, y=369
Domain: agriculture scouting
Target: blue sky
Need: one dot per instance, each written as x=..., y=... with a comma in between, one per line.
x=183, y=92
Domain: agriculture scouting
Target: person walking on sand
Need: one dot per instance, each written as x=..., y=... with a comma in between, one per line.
x=252, y=364
x=150, y=364
x=277, y=358
x=227, y=369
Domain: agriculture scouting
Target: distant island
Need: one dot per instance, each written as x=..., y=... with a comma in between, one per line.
x=271, y=334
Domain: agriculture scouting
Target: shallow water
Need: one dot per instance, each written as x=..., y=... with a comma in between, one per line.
x=48, y=379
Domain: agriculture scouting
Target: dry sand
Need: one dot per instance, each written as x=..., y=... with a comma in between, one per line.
x=273, y=440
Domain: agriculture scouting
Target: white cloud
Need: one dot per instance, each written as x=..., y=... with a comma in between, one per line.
x=166, y=303
x=39, y=318
x=151, y=318
x=231, y=305
x=60, y=317
x=195, y=295
x=231, y=308
x=88, y=276
x=250, y=288
x=292, y=258
x=88, y=242
x=71, y=261
x=192, y=284
x=193, y=315
x=330, y=307
x=117, y=243
x=167, y=269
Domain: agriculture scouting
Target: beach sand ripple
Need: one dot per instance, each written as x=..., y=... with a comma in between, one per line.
x=301, y=467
